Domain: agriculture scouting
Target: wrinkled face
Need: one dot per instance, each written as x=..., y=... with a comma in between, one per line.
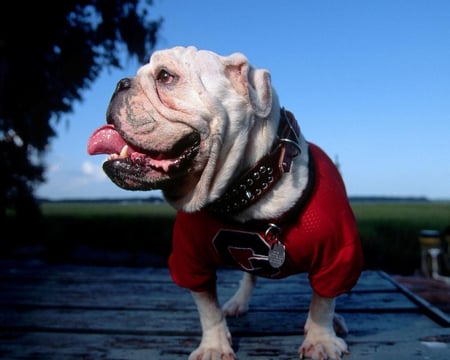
x=171, y=125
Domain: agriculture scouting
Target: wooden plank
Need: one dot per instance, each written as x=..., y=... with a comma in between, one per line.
x=168, y=296
x=375, y=345
x=173, y=322
x=63, y=274
x=72, y=346
x=81, y=312
x=143, y=289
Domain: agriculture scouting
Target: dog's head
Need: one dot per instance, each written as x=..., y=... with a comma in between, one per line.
x=187, y=123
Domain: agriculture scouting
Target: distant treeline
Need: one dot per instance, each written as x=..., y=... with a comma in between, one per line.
x=390, y=199
x=150, y=200
x=159, y=199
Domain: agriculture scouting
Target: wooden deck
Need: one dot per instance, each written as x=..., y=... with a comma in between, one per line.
x=84, y=312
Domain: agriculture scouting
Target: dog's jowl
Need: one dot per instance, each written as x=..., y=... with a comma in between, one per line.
x=249, y=189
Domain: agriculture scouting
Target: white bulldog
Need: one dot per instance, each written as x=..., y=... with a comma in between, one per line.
x=250, y=190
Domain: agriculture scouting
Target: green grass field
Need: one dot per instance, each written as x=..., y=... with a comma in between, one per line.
x=389, y=230
x=427, y=214
x=105, y=209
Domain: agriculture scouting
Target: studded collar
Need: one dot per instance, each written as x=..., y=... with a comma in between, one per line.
x=254, y=183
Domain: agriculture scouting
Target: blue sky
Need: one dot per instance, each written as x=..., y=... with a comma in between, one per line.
x=368, y=81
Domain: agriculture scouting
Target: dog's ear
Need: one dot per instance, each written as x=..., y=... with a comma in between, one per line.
x=253, y=83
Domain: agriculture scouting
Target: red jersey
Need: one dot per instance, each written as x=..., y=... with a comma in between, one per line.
x=323, y=241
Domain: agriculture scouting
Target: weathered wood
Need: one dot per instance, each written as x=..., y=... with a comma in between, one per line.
x=403, y=343
x=166, y=296
x=152, y=289
x=153, y=322
x=84, y=312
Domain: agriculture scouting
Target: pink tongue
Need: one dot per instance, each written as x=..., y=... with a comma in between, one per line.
x=105, y=140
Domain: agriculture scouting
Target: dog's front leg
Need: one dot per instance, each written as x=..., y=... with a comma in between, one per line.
x=216, y=338
x=238, y=304
x=321, y=341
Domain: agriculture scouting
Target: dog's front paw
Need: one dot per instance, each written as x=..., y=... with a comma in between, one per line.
x=322, y=346
x=215, y=345
x=208, y=353
x=339, y=325
x=236, y=306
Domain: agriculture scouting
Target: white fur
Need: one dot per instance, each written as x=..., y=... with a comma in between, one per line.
x=320, y=342
x=236, y=110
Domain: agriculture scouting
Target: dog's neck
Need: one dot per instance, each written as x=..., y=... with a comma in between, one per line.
x=256, y=182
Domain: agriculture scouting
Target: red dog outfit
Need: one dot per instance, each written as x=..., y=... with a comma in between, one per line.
x=323, y=241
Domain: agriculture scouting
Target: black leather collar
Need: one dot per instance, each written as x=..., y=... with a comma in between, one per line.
x=254, y=183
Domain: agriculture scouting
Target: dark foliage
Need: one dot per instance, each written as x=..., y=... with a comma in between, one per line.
x=50, y=52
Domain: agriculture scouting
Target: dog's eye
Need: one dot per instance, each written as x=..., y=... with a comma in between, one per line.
x=165, y=77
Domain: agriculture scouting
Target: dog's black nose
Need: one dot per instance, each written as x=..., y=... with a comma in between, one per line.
x=123, y=84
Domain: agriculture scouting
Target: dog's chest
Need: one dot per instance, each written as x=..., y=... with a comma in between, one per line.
x=322, y=239
x=203, y=239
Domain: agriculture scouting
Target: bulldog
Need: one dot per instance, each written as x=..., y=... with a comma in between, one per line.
x=249, y=189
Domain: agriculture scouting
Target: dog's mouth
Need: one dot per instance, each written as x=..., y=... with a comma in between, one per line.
x=132, y=168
